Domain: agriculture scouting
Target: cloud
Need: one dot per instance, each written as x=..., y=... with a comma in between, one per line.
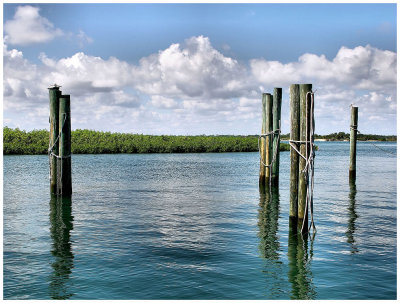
x=364, y=75
x=83, y=74
x=28, y=27
x=20, y=80
x=83, y=39
x=193, y=70
x=358, y=68
x=100, y=94
x=163, y=102
x=193, y=82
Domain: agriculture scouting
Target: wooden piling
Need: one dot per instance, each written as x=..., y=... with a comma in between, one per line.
x=54, y=94
x=262, y=141
x=294, y=156
x=305, y=113
x=353, y=142
x=276, y=115
x=268, y=141
x=64, y=186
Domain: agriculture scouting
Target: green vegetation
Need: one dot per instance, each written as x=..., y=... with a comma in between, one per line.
x=341, y=136
x=20, y=142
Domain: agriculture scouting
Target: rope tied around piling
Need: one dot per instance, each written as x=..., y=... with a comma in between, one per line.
x=50, y=150
x=271, y=135
x=309, y=166
x=354, y=127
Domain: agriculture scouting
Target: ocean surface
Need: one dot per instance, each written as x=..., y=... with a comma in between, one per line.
x=196, y=226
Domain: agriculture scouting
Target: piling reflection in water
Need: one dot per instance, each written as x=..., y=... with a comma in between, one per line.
x=268, y=222
x=300, y=275
x=61, y=224
x=351, y=226
x=269, y=246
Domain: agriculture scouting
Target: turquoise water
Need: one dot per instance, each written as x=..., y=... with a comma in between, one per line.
x=196, y=226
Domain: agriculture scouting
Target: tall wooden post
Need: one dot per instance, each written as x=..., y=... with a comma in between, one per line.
x=64, y=186
x=294, y=156
x=268, y=142
x=276, y=114
x=305, y=112
x=54, y=94
x=353, y=141
x=262, y=141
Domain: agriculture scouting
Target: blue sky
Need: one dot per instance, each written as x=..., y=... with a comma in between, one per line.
x=156, y=68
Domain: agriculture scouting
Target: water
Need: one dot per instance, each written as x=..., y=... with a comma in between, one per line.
x=196, y=226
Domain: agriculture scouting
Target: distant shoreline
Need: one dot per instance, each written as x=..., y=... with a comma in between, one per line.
x=36, y=142
x=344, y=137
x=358, y=140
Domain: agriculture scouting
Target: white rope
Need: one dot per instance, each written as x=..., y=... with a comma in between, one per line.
x=271, y=134
x=295, y=147
x=354, y=127
x=59, y=134
x=51, y=148
x=309, y=166
x=60, y=157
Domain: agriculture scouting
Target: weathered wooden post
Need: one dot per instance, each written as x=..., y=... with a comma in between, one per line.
x=353, y=141
x=305, y=119
x=64, y=186
x=294, y=156
x=54, y=94
x=276, y=114
x=262, y=140
x=268, y=142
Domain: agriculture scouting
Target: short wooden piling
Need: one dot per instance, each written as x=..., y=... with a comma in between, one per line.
x=64, y=186
x=294, y=156
x=262, y=140
x=54, y=94
x=305, y=113
x=268, y=141
x=353, y=141
x=276, y=115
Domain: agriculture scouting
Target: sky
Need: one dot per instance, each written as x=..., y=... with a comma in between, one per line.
x=190, y=69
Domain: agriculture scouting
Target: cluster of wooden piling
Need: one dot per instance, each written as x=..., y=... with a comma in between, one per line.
x=302, y=126
x=60, y=142
x=302, y=120
x=270, y=138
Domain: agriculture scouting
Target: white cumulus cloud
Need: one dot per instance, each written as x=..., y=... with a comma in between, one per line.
x=28, y=27
x=194, y=70
x=358, y=68
x=193, y=82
